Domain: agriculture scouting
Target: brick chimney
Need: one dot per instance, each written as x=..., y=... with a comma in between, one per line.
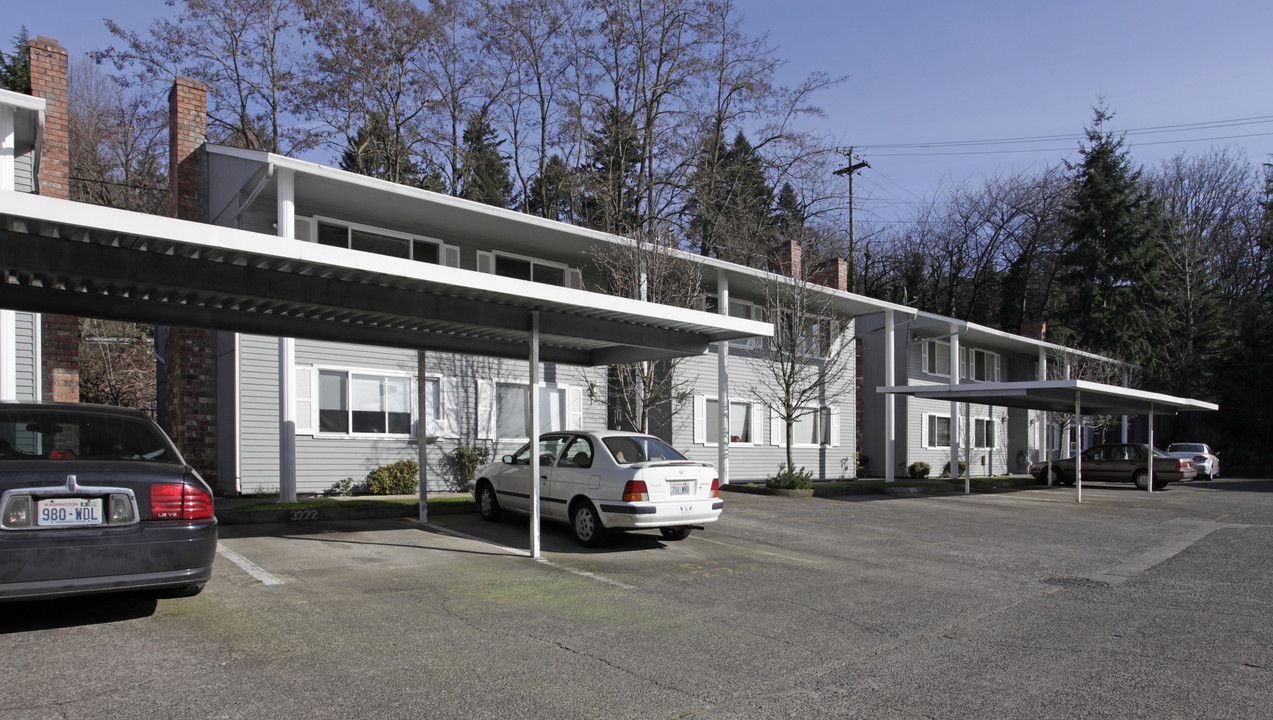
x=59, y=334
x=785, y=259
x=189, y=367
x=833, y=274
x=1037, y=329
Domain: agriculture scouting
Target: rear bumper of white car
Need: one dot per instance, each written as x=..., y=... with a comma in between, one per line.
x=639, y=515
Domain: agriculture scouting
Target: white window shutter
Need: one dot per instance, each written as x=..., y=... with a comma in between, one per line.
x=485, y=262
x=923, y=357
x=303, y=383
x=304, y=229
x=777, y=429
x=574, y=278
x=574, y=408
x=449, y=417
x=835, y=427
x=700, y=419
x=757, y=423
x=485, y=409
x=450, y=255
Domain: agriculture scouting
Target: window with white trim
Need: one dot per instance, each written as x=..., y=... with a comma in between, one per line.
x=978, y=365
x=559, y=409
x=936, y=431
x=815, y=428
x=744, y=421
x=936, y=357
x=521, y=267
x=354, y=403
x=983, y=430
x=367, y=238
x=738, y=309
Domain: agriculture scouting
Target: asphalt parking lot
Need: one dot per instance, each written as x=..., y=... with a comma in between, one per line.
x=1006, y=605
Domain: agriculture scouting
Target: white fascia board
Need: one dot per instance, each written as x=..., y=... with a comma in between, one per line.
x=467, y=283
x=22, y=102
x=566, y=232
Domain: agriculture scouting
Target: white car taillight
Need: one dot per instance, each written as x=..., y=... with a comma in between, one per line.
x=715, y=487
x=17, y=513
x=635, y=491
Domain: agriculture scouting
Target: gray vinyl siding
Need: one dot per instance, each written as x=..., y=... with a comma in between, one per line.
x=23, y=170
x=26, y=350
x=323, y=460
x=756, y=461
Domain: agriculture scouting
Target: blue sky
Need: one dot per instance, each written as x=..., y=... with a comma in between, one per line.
x=923, y=71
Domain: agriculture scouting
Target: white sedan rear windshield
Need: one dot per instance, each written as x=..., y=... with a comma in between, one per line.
x=628, y=449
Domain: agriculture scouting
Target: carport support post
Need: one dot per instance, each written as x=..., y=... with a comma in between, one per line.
x=286, y=222
x=954, y=406
x=890, y=432
x=1151, y=448
x=1078, y=446
x=532, y=403
x=421, y=434
x=722, y=383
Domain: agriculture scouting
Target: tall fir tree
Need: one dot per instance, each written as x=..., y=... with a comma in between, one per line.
x=731, y=209
x=374, y=151
x=610, y=199
x=1112, y=257
x=15, y=70
x=484, y=171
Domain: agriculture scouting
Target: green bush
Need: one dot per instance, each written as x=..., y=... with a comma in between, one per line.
x=945, y=471
x=918, y=470
x=400, y=478
x=342, y=487
x=790, y=479
x=464, y=461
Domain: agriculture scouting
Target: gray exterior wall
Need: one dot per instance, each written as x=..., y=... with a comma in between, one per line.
x=467, y=386
x=755, y=461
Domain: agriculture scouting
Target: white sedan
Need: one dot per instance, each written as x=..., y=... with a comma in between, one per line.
x=1207, y=462
x=597, y=481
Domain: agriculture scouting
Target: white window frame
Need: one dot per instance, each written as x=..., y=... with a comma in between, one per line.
x=709, y=302
x=968, y=364
x=927, y=354
x=701, y=415
x=828, y=429
x=315, y=401
x=572, y=408
x=979, y=425
x=572, y=277
x=929, y=430
x=448, y=255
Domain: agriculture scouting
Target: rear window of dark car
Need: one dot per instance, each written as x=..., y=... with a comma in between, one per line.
x=42, y=434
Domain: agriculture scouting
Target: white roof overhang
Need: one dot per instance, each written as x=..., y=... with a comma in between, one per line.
x=462, y=221
x=72, y=258
x=1057, y=396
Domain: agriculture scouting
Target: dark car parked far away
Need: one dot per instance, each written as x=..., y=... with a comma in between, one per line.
x=1119, y=462
x=98, y=499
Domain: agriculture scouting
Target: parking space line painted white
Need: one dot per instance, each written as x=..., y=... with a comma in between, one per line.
x=248, y=566
x=587, y=574
x=474, y=538
x=754, y=550
x=1127, y=569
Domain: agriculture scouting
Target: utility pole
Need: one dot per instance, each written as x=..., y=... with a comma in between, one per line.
x=855, y=164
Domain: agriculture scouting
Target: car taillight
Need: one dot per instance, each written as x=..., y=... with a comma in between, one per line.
x=715, y=487
x=1185, y=464
x=179, y=502
x=635, y=491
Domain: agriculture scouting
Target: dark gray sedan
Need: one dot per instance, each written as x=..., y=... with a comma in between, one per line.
x=98, y=499
x=1120, y=462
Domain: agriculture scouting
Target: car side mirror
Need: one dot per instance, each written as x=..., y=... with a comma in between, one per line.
x=507, y=460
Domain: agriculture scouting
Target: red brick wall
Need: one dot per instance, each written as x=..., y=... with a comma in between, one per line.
x=59, y=334
x=189, y=354
x=785, y=259
x=832, y=274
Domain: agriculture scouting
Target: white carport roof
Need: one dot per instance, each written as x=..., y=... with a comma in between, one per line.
x=1080, y=397
x=72, y=258
x=1057, y=396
